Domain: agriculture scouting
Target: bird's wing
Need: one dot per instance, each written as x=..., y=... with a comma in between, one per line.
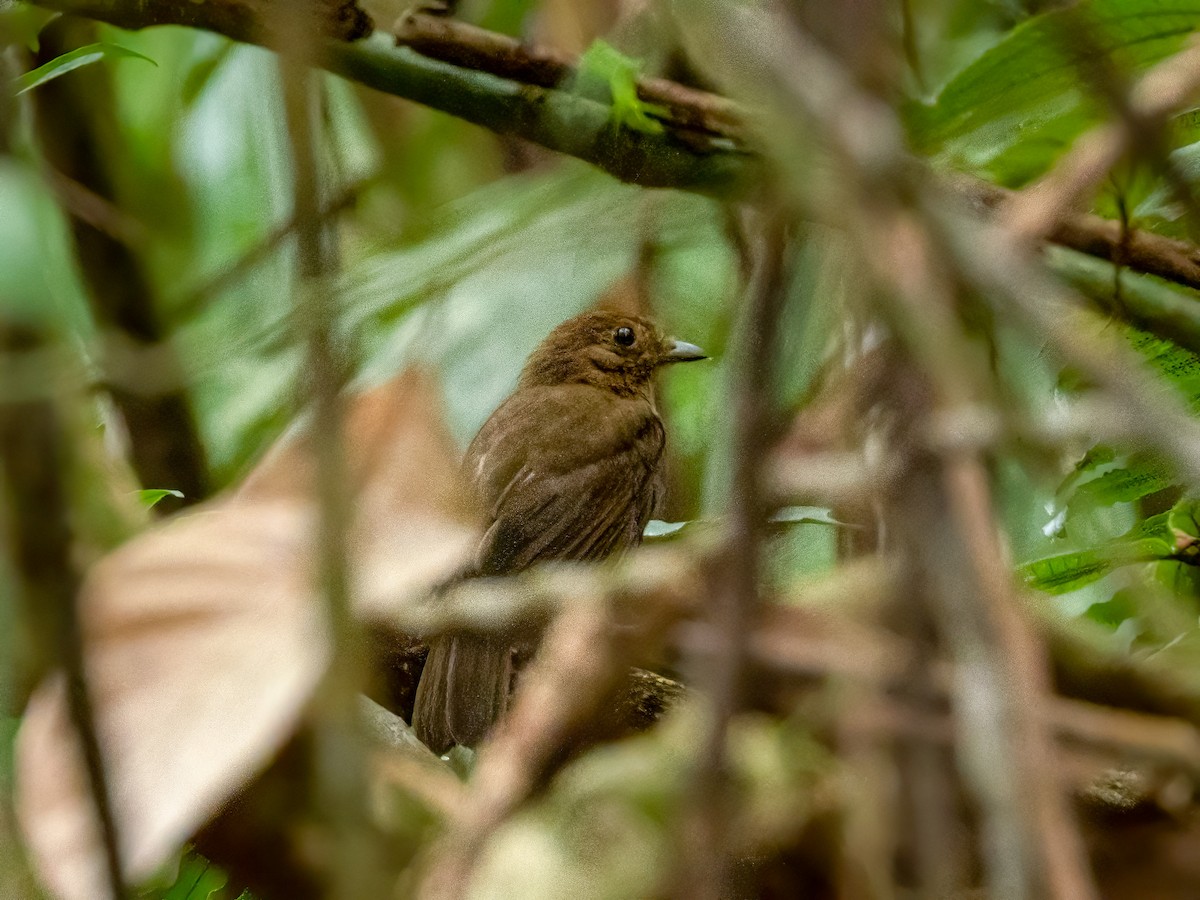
x=567, y=473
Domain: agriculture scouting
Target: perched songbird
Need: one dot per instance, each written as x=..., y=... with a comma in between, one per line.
x=566, y=469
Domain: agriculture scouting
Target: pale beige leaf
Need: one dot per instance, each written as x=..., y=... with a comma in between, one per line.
x=204, y=638
x=203, y=643
x=415, y=525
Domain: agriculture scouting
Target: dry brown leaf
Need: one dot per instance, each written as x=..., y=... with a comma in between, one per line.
x=204, y=638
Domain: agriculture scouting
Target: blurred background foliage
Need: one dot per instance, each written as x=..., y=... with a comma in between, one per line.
x=459, y=249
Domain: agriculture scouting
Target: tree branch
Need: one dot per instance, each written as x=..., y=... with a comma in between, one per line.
x=492, y=81
x=684, y=108
x=556, y=119
x=242, y=20
x=1173, y=260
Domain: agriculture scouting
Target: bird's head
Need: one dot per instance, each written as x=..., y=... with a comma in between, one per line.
x=605, y=349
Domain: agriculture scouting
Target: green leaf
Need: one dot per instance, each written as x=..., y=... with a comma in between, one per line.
x=1179, y=366
x=1024, y=92
x=812, y=515
x=1142, y=298
x=603, y=65
x=1097, y=456
x=1184, y=522
x=1148, y=541
x=1141, y=477
x=198, y=879
x=1070, y=571
x=657, y=530
x=1115, y=610
x=78, y=58
x=1066, y=571
x=151, y=496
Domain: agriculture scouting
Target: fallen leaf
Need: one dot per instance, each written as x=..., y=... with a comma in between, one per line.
x=204, y=637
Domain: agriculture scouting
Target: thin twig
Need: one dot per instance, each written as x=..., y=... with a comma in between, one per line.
x=1142, y=251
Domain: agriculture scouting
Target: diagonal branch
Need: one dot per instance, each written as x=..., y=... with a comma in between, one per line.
x=492, y=81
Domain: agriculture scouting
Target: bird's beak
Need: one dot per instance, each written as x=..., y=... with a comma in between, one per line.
x=682, y=351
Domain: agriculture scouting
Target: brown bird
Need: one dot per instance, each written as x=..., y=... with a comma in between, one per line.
x=567, y=468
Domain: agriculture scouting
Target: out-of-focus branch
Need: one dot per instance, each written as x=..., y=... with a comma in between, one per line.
x=354, y=868
x=242, y=20
x=786, y=640
x=1148, y=136
x=164, y=441
x=990, y=256
x=221, y=280
x=734, y=600
x=1029, y=690
x=934, y=371
x=35, y=462
x=1108, y=701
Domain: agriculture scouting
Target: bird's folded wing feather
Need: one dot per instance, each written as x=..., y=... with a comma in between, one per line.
x=580, y=486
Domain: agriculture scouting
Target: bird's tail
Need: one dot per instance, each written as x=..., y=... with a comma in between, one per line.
x=463, y=690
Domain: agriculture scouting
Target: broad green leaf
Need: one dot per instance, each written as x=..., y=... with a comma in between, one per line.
x=1025, y=91
x=1141, y=477
x=1184, y=522
x=1067, y=571
x=1071, y=571
x=152, y=496
x=1147, y=541
x=69, y=62
x=1179, y=366
x=1115, y=610
x=1134, y=297
x=1151, y=527
x=1097, y=456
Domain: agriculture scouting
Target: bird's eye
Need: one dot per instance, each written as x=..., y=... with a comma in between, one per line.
x=624, y=336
